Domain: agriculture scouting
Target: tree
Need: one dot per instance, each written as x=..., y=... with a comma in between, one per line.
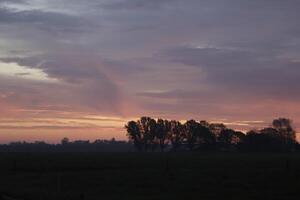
x=176, y=134
x=225, y=137
x=251, y=140
x=147, y=127
x=216, y=129
x=204, y=123
x=266, y=139
x=148, y=132
x=65, y=141
x=229, y=138
x=205, y=135
x=238, y=137
x=134, y=134
x=190, y=133
x=285, y=129
x=163, y=127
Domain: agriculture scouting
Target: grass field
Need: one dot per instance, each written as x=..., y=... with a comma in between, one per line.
x=107, y=176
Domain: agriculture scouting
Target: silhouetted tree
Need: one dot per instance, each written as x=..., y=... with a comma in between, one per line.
x=238, y=137
x=230, y=138
x=176, y=134
x=216, y=129
x=163, y=127
x=285, y=129
x=251, y=139
x=148, y=129
x=191, y=133
x=65, y=141
x=204, y=123
x=203, y=135
x=225, y=137
x=134, y=134
x=266, y=139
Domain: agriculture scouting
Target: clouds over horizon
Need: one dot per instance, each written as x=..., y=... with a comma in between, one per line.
x=167, y=58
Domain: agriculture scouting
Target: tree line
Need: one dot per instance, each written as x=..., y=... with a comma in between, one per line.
x=66, y=145
x=148, y=134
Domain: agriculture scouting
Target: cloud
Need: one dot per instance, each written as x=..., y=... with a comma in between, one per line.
x=210, y=57
x=64, y=122
x=84, y=81
x=263, y=72
x=95, y=96
x=67, y=67
x=13, y=1
x=137, y=4
x=46, y=20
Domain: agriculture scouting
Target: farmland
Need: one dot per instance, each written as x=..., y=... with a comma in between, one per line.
x=149, y=175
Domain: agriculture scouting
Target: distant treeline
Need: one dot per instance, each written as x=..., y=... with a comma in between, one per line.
x=148, y=134
x=69, y=146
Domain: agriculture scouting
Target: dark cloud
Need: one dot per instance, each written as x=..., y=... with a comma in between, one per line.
x=137, y=4
x=216, y=57
x=45, y=20
x=176, y=94
x=262, y=72
x=14, y=1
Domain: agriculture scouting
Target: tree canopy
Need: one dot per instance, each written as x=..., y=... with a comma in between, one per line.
x=151, y=134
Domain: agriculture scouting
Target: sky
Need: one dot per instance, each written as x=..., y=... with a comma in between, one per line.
x=82, y=69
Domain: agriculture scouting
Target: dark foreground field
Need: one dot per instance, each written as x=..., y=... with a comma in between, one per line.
x=149, y=176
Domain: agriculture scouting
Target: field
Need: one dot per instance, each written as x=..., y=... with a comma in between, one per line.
x=88, y=176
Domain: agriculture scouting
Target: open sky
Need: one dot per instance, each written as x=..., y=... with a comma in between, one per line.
x=81, y=69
